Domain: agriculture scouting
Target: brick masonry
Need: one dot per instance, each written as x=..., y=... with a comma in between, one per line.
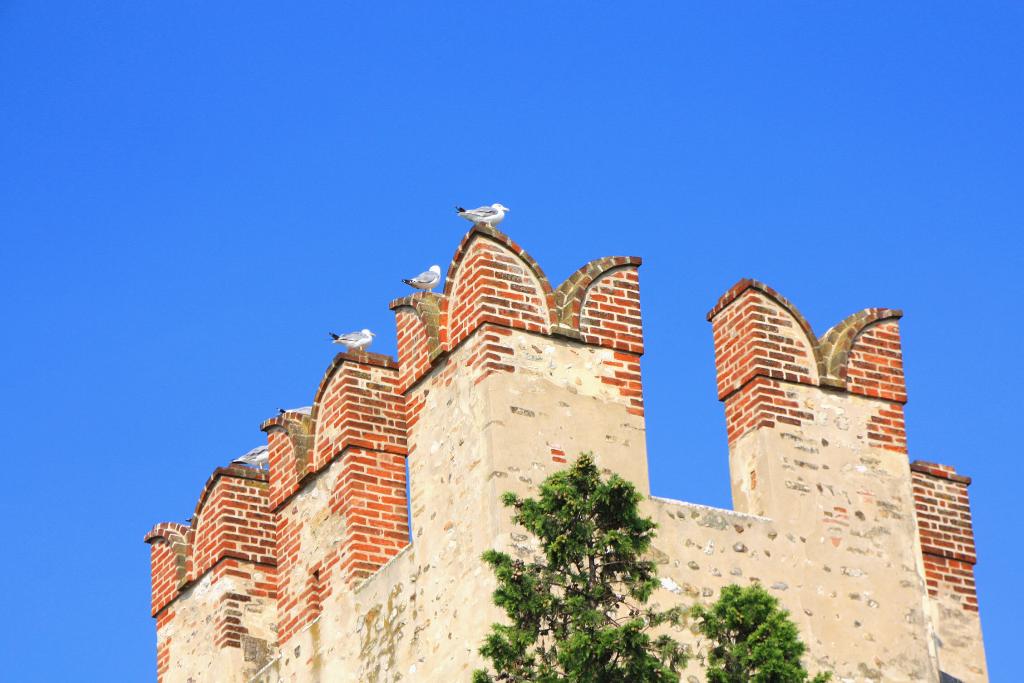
x=947, y=537
x=272, y=561
x=776, y=377
x=762, y=343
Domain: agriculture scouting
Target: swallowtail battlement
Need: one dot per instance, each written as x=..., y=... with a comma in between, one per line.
x=309, y=572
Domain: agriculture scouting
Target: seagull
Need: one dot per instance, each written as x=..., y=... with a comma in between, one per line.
x=354, y=341
x=258, y=457
x=484, y=215
x=304, y=410
x=427, y=280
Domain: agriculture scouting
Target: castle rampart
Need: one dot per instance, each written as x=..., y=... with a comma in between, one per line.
x=309, y=573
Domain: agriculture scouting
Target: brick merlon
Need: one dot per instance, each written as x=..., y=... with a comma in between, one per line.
x=415, y=300
x=570, y=294
x=288, y=419
x=165, y=531
x=237, y=471
x=743, y=285
x=498, y=236
x=940, y=471
x=366, y=358
x=355, y=357
x=832, y=350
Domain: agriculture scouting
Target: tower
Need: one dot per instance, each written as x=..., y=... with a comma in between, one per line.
x=817, y=442
x=321, y=568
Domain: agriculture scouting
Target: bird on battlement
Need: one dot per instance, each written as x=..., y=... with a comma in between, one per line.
x=304, y=410
x=258, y=457
x=426, y=280
x=354, y=341
x=484, y=215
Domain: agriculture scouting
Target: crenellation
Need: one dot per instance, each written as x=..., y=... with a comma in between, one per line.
x=492, y=279
x=610, y=312
x=759, y=334
x=358, y=405
x=233, y=519
x=356, y=557
x=946, y=536
x=169, y=559
x=290, y=438
x=874, y=366
x=371, y=498
x=621, y=282
x=834, y=346
x=418, y=340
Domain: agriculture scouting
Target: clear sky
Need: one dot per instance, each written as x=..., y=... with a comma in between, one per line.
x=193, y=193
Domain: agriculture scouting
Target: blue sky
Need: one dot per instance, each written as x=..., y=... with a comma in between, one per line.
x=192, y=194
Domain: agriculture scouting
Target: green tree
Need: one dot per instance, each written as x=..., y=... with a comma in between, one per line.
x=752, y=639
x=578, y=615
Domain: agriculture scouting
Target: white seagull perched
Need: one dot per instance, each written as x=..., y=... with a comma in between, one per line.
x=484, y=215
x=354, y=341
x=258, y=457
x=426, y=280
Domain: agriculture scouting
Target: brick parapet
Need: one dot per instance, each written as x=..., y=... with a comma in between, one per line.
x=169, y=562
x=492, y=279
x=349, y=454
x=367, y=498
x=417, y=323
x=357, y=423
x=493, y=287
x=233, y=519
x=874, y=362
x=290, y=440
x=358, y=426
x=939, y=471
x=943, y=513
x=371, y=496
x=230, y=544
x=757, y=333
x=762, y=404
x=358, y=405
x=494, y=282
x=741, y=287
x=569, y=295
x=763, y=342
x=610, y=311
x=862, y=354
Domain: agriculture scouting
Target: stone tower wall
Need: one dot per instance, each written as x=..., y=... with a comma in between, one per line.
x=322, y=569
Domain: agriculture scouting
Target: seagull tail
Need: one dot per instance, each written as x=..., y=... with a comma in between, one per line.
x=333, y=336
x=459, y=209
x=409, y=282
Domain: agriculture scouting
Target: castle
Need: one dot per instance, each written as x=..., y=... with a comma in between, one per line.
x=309, y=572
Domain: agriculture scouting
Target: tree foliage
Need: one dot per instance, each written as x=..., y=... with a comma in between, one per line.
x=751, y=639
x=578, y=614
